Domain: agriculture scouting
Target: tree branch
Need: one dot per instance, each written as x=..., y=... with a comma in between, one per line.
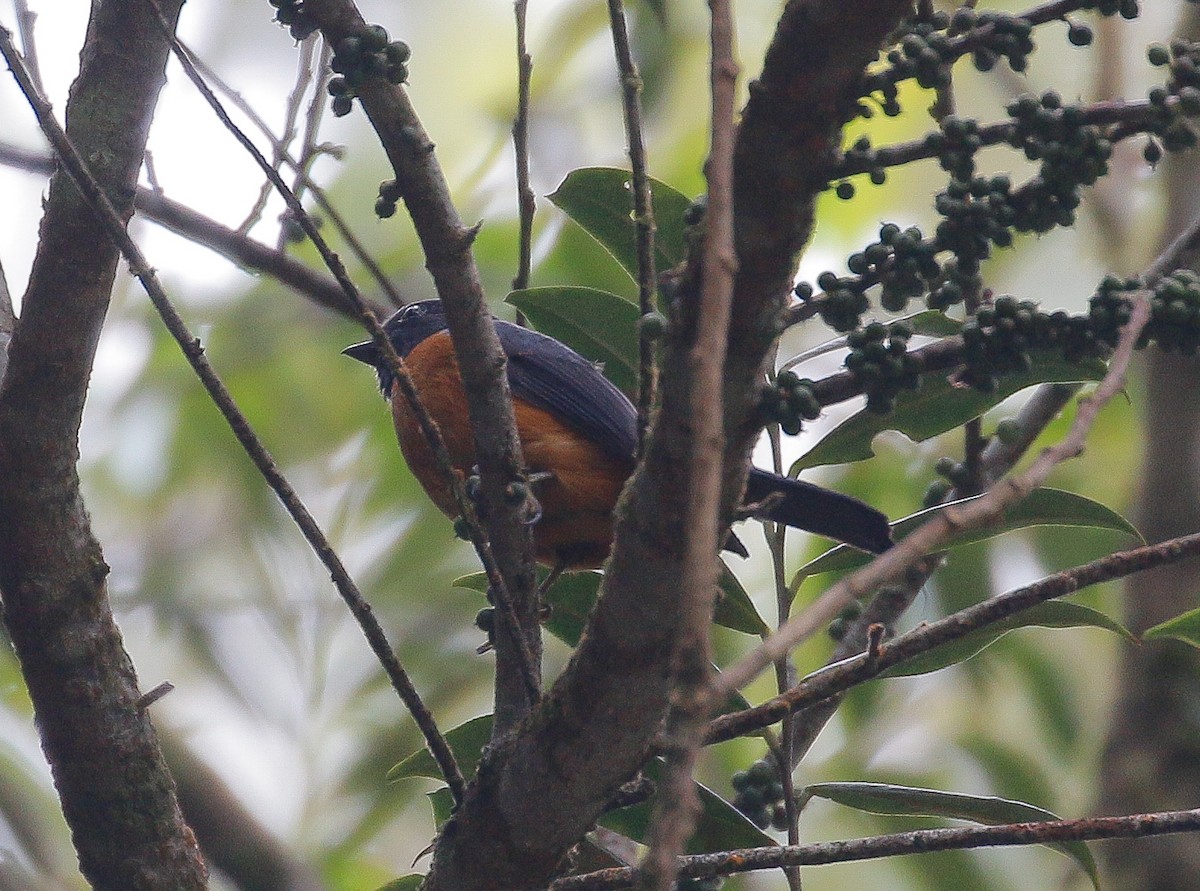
x=117, y=794
x=921, y=841
x=229, y=243
x=539, y=791
x=643, y=210
x=447, y=246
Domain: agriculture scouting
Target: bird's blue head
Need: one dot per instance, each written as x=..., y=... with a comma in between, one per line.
x=407, y=327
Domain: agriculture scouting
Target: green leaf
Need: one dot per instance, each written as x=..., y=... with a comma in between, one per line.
x=1184, y=627
x=932, y=323
x=1042, y=507
x=720, y=826
x=883, y=798
x=735, y=609
x=599, y=200
x=937, y=406
x=466, y=741
x=572, y=597
x=1051, y=614
x=442, y=803
x=598, y=325
x=404, y=883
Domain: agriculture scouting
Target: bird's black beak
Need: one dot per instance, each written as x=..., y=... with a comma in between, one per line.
x=365, y=352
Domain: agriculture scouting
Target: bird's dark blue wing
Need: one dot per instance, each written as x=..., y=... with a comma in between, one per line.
x=552, y=376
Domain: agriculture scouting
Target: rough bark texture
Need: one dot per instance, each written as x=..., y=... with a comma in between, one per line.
x=116, y=792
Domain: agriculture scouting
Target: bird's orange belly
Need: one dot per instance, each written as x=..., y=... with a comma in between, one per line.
x=577, y=500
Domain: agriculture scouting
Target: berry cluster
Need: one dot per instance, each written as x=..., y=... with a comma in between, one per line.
x=955, y=145
x=993, y=36
x=1169, y=130
x=902, y=261
x=355, y=59
x=1073, y=154
x=880, y=361
x=1174, y=313
x=841, y=624
x=760, y=795
x=789, y=402
x=924, y=53
x=958, y=280
x=291, y=14
x=389, y=194
x=1109, y=309
x=998, y=339
x=977, y=214
x=843, y=303
x=1127, y=8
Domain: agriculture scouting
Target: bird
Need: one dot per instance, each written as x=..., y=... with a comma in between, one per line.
x=578, y=435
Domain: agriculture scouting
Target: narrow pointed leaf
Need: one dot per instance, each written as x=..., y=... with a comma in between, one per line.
x=442, y=803
x=466, y=741
x=883, y=798
x=735, y=609
x=1051, y=614
x=1042, y=507
x=1184, y=627
x=935, y=407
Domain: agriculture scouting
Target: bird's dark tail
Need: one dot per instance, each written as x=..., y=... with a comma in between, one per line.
x=820, y=511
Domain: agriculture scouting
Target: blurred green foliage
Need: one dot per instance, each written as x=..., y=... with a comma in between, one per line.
x=216, y=590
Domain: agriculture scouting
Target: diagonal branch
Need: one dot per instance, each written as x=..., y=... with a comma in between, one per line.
x=988, y=508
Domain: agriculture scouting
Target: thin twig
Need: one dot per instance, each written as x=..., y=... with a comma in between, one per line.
x=643, y=210
x=26, y=18
x=331, y=213
x=310, y=150
x=280, y=144
x=446, y=242
x=785, y=670
x=388, y=352
x=526, y=205
x=920, y=841
x=675, y=814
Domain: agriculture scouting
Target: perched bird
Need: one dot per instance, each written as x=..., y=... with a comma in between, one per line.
x=578, y=434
